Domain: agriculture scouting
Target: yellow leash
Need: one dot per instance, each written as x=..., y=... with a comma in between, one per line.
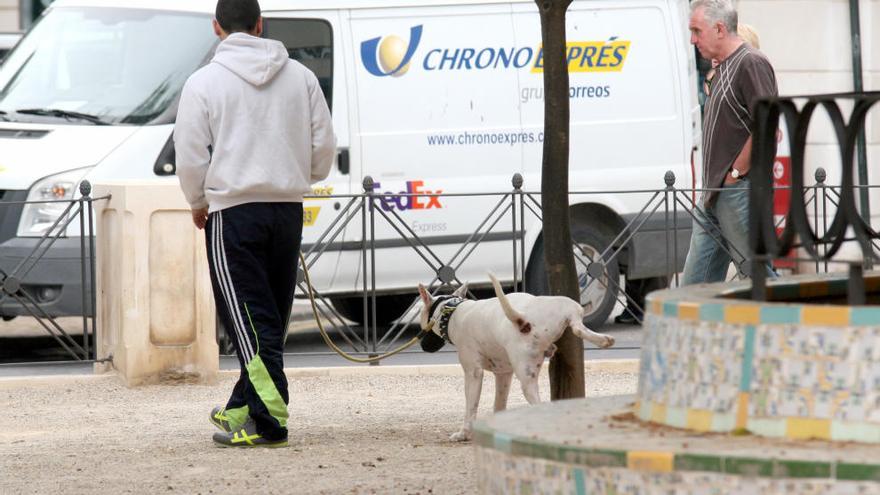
x=333, y=346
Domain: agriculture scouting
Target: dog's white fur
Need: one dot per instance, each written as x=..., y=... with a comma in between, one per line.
x=507, y=335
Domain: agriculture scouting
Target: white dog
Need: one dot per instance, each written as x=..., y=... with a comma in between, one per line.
x=505, y=335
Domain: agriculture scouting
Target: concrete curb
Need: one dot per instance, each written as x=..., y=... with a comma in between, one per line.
x=12, y=382
x=594, y=366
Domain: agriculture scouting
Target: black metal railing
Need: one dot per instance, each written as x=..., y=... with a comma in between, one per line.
x=22, y=296
x=510, y=216
x=519, y=207
x=798, y=233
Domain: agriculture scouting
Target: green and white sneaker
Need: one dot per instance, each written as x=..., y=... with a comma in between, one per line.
x=219, y=419
x=246, y=436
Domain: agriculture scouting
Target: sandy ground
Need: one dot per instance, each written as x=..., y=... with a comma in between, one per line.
x=353, y=431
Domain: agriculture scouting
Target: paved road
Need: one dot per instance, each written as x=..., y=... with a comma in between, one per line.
x=26, y=348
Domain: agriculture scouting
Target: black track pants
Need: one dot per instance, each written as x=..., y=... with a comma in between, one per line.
x=253, y=251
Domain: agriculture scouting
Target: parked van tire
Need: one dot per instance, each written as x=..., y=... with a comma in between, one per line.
x=599, y=297
x=224, y=343
x=388, y=307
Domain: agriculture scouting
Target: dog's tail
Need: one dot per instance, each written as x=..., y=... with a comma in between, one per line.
x=513, y=315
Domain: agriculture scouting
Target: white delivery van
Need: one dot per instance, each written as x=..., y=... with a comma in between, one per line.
x=433, y=96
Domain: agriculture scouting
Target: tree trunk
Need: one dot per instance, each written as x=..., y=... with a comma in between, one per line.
x=567, y=365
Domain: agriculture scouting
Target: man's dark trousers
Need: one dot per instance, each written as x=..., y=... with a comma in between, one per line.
x=253, y=251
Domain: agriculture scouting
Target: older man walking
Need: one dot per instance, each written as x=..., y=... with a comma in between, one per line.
x=720, y=233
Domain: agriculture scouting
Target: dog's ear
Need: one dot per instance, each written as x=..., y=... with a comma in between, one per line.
x=461, y=291
x=423, y=293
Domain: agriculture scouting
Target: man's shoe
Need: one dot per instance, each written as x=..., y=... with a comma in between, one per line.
x=220, y=420
x=246, y=436
x=627, y=318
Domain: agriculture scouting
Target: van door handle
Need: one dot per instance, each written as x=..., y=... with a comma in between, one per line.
x=342, y=162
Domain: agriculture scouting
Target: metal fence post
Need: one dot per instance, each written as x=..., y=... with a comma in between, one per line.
x=370, y=333
x=855, y=290
x=669, y=180
x=820, y=181
x=85, y=189
x=517, y=182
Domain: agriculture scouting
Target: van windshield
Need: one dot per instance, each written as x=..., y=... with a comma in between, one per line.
x=118, y=66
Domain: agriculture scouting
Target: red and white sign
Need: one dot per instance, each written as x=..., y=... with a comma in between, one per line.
x=782, y=185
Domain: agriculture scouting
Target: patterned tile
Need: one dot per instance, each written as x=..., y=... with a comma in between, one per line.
x=498, y=474
x=825, y=372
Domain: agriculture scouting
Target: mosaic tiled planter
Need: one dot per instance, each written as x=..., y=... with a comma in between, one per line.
x=797, y=370
x=577, y=447
x=734, y=397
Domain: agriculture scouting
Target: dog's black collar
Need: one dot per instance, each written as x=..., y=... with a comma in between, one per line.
x=450, y=303
x=437, y=302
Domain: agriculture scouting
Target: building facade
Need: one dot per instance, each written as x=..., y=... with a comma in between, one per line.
x=9, y=16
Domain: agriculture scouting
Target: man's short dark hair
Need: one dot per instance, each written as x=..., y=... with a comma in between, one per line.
x=236, y=16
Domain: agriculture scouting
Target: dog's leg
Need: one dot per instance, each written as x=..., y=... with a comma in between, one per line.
x=502, y=390
x=597, y=339
x=527, y=374
x=473, y=384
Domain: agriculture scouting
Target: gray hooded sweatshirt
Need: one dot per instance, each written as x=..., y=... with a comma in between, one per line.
x=266, y=120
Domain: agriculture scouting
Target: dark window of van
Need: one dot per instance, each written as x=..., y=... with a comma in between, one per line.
x=309, y=42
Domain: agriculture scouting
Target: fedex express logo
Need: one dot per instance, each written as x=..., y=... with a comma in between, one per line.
x=414, y=198
x=392, y=56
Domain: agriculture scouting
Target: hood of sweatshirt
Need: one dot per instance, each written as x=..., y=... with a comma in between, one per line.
x=256, y=60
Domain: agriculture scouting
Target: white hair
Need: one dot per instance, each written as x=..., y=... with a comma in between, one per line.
x=718, y=11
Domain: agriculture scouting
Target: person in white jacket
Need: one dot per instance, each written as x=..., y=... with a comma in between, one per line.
x=253, y=132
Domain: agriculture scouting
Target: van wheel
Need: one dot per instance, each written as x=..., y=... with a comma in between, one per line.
x=388, y=308
x=224, y=343
x=597, y=295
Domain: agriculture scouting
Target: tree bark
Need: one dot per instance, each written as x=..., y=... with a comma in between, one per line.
x=567, y=365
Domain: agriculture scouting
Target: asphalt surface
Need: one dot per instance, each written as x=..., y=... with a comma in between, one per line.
x=27, y=349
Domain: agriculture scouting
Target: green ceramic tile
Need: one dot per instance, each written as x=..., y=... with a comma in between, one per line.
x=864, y=316
x=592, y=458
x=606, y=458
x=574, y=455
x=580, y=485
x=501, y=442
x=801, y=469
x=693, y=462
x=780, y=315
x=748, y=466
x=858, y=472
x=533, y=448
x=745, y=381
x=712, y=312
x=483, y=438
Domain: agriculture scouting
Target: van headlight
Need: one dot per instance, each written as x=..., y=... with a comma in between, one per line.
x=37, y=218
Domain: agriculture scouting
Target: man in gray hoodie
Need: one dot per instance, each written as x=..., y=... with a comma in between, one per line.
x=253, y=132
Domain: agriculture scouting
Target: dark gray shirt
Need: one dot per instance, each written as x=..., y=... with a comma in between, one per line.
x=740, y=79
